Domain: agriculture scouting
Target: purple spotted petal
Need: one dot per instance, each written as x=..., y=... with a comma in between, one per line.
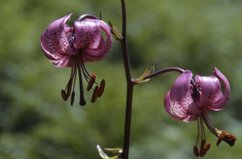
x=55, y=42
x=181, y=87
x=221, y=102
x=191, y=117
x=189, y=104
x=89, y=38
x=87, y=34
x=97, y=52
x=210, y=90
x=176, y=111
x=174, y=108
x=179, y=102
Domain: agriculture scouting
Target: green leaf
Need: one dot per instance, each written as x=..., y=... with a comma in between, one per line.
x=141, y=79
x=117, y=35
x=114, y=150
x=103, y=155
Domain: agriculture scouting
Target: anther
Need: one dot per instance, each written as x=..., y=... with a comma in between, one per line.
x=64, y=95
x=95, y=94
x=101, y=88
x=205, y=149
x=226, y=137
x=202, y=145
x=195, y=151
x=91, y=82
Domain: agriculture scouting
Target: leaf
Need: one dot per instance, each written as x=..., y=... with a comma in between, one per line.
x=115, y=32
x=105, y=156
x=101, y=153
x=141, y=79
x=114, y=150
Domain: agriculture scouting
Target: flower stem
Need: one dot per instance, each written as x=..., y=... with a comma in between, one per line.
x=165, y=70
x=130, y=85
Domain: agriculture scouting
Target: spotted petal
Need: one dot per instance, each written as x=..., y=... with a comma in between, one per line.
x=181, y=87
x=97, y=52
x=89, y=38
x=87, y=34
x=221, y=102
x=210, y=90
x=55, y=42
x=174, y=108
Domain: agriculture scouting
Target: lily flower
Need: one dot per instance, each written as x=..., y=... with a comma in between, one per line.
x=89, y=39
x=191, y=99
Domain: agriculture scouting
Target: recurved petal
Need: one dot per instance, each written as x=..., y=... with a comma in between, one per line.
x=174, y=108
x=95, y=54
x=189, y=105
x=87, y=34
x=190, y=118
x=55, y=41
x=108, y=42
x=221, y=102
x=62, y=62
x=90, y=39
x=210, y=90
x=181, y=86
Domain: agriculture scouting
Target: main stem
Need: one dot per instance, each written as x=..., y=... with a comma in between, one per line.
x=130, y=85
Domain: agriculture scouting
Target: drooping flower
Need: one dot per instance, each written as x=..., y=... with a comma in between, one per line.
x=191, y=99
x=89, y=39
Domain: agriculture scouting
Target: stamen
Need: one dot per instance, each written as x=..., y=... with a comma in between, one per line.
x=91, y=82
x=64, y=95
x=73, y=87
x=201, y=137
x=69, y=87
x=221, y=134
x=226, y=137
x=86, y=74
x=205, y=149
x=198, y=131
x=84, y=69
x=202, y=146
x=101, y=88
x=202, y=129
x=195, y=151
x=95, y=94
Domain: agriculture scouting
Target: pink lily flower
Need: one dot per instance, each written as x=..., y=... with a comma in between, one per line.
x=89, y=39
x=191, y=99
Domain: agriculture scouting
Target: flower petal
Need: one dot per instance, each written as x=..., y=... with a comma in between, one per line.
x=89, y=38
x=95, y=54
x=189, y=105
x=87, y=34
x=221, y=102
x=210, y=90
x=174, y=108
x=55, y=41
x=92, y=53
x=181, y=86
x=190, y=118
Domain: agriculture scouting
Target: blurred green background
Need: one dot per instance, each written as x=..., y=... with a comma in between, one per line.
x=36, y=124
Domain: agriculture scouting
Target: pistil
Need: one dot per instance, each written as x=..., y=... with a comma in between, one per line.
x=82, y=99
